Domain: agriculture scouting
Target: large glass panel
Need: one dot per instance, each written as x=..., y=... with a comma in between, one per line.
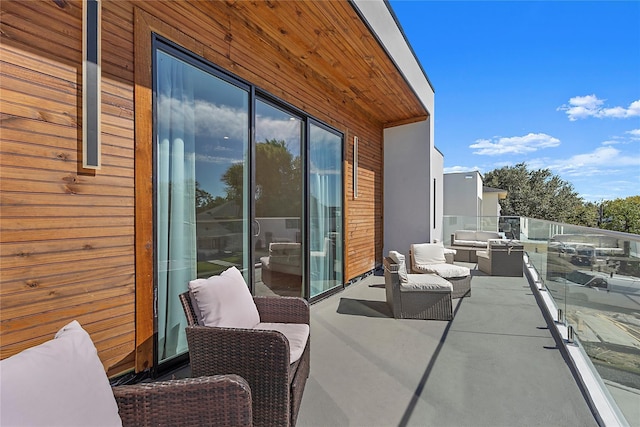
x=325, y=209
x=593, y=276
x=278, y=202
x=201, y=180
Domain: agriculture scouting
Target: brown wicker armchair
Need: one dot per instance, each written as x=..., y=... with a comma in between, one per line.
x=259, y=356
x=221, y=400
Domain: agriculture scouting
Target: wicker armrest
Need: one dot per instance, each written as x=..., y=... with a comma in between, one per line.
x=221, y=400
x=282, y=309
x=246, y=352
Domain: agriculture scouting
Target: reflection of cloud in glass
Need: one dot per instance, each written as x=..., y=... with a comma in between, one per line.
x=216, y=159
x=202, y=117
x=326, y=152
x=268, y=128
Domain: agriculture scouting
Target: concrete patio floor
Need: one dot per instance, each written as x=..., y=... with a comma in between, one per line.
x=495, y=364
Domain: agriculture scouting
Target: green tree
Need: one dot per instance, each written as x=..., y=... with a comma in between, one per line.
x=587, y=215
x=622, y=215
x=536, y=194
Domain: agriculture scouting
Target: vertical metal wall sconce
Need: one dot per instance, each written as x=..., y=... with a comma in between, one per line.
x=91, y=76
x=355, y=167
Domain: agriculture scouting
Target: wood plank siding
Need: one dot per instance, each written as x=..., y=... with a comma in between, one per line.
x=74, y=242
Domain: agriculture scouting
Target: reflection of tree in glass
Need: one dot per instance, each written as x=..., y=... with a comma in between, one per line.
x=203, y=198
x=205, y=201
x=233, y=178
x=278, y=180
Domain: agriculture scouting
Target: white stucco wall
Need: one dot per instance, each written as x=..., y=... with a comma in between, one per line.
x=463, y=194
x=408, y=183
x=490, y=205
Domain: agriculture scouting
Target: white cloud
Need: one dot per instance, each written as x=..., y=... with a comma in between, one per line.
x=582, y=107
x=514, y=144
x=603, y=161
x=635, y=134
x=612, y=142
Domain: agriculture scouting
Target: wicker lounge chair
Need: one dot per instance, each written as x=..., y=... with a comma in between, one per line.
x=259, y=356
x=221, y=400
x=431, y=259
x=421, y=296
x=62, y=382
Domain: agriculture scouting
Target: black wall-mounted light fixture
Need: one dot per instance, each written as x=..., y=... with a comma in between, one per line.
x=355, y=167
x=91, y=76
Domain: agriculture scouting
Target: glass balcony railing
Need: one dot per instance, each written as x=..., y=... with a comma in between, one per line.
x=593, y=278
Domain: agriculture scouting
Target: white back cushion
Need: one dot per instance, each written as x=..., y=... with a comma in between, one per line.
x=398, y=258
x=59, y=383
x=486, y=235
x=225, y=300
x=428, y=253
x=465, y=235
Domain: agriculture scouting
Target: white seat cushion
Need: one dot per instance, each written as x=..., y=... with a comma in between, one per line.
x=428, y=253
x=58, y=383
x=465, y=235
x=444, y=270
x=296, y=333
x=472, y=243
x=225, y=301
x=398, y=258
x=426, y=282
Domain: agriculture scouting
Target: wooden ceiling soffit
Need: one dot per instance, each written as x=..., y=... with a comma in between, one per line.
x=329, y=43
x=406, y=121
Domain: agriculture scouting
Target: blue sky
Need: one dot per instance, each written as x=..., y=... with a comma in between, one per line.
x=553, y=84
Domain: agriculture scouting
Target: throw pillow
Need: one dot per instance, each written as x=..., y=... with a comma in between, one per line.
x=225, y=300
x=58, y=383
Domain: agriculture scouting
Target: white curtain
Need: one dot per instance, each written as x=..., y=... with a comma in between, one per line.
x=176, y=216
x=321, y=260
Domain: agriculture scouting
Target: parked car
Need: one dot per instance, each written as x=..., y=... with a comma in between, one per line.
x=585, y=288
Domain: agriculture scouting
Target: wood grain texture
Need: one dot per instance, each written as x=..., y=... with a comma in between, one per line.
x=78, y=244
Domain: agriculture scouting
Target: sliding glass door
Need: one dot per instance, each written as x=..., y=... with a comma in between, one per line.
x=278, y=197
x=271, y=205
x=325, y=209
x=202, y=220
